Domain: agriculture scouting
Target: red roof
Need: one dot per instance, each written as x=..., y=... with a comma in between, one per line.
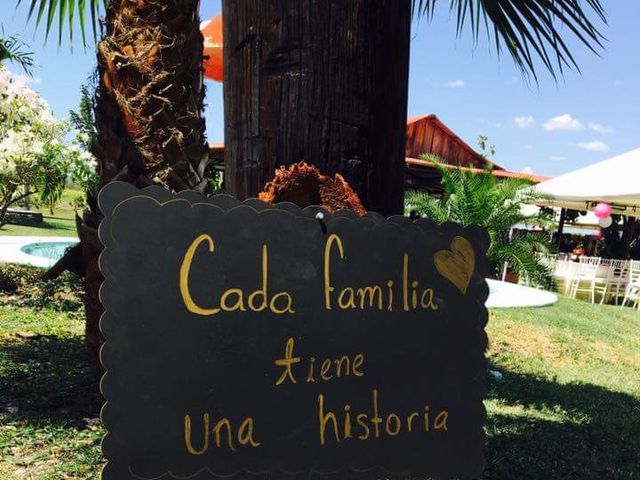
x=414, y=162
x=426, y=134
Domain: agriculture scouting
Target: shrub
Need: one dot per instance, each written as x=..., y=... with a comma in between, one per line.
x=478, y=198
x=22, y=285
x=34, y=158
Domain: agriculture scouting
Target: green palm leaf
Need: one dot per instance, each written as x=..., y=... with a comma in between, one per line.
x=528, y=29
x=65, y=11
x=12, y=49
x=477, y=198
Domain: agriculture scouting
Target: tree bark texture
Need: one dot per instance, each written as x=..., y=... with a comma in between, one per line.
x=323, y=81
x=148, y=113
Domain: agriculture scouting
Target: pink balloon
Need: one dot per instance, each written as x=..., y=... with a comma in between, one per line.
x=602, y=210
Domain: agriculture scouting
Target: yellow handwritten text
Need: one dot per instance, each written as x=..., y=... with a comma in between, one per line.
x=223, y=434
x=233, y=299
x=373, y=424
x=375, y=296
x=328, y=369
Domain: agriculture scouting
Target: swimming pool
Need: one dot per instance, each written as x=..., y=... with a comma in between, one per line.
x=50, y=250
x=36, y=251
x=511, y=295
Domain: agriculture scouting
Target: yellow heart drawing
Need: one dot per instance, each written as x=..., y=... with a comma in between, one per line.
x=457, y=264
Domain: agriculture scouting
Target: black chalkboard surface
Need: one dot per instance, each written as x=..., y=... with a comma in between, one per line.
x=259, y=340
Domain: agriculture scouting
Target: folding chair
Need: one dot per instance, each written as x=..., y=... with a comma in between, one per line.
x=632, y=293
x=616, y=280
x=585, y=278
x=563, y=274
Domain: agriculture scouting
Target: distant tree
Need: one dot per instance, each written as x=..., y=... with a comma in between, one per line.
x=83, y=121
x=34, y=160
x=488, y=150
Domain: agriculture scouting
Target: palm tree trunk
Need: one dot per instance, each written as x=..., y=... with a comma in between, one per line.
x=323, y=81
x=149, y=102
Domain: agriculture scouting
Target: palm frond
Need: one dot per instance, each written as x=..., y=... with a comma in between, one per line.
x=12, y=49
x=66, y=11
x=529, y=29
x=479, y=198
x=426, y=205
x=520, y=254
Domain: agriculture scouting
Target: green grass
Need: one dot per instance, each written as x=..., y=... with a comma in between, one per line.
x=46, y=393
x=567, y=407
x=60, y=223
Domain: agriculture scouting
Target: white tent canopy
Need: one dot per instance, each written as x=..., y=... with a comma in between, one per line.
x=615, y=181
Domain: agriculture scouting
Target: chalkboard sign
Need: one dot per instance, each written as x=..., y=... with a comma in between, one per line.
x=257, y=340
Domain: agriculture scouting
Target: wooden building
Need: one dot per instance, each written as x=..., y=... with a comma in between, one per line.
x=426, y=134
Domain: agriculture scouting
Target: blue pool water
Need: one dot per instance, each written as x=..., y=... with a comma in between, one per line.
x=51, y=250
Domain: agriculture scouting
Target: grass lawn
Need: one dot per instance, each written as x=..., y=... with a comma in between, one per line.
x=567, y=406
x=60, y=223
x=45, y=397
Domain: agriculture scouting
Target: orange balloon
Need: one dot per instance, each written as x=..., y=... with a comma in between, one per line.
x=212, y=33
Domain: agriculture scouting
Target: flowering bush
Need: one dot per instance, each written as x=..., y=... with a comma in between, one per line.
x=34, y=158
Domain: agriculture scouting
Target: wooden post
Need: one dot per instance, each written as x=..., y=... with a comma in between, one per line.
x=324, y=81
x=629, y=230
x=563, y=214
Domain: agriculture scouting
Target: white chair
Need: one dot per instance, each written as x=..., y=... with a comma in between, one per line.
x=632, y=292
x=563, y=273
x=616, y=280
x=585, y=278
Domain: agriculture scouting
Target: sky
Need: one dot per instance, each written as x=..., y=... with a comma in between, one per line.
x=549, y=128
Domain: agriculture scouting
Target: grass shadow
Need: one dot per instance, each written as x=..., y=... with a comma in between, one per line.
x=540, y=429
x=55, y=223
x=47, y=379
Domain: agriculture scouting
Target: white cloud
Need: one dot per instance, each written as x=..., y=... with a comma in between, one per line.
x=563, y=122
x=524, y=121
x=454, y=84
x=598, y=127
x=527, y=169
x=594, y=146
x=557, y=158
